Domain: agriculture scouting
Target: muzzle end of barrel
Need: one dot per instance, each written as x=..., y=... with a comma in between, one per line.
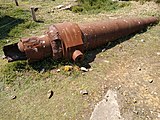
x=13, y=53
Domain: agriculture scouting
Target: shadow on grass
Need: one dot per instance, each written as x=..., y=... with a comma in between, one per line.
x=40, y=21
x=48, y=64
x=7, y=23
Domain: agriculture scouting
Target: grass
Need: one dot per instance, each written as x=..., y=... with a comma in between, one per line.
x=15, y=22
x=96, y=6
x=30, y=82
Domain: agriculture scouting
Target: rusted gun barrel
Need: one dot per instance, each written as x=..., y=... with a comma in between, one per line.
x=69, y=40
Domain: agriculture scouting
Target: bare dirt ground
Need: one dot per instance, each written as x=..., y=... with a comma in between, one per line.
x=130, y=66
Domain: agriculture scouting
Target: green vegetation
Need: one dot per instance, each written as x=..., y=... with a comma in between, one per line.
x=14, y=20
x=96, y=6
x=11, y=72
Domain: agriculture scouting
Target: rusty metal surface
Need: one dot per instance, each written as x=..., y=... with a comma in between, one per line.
x=69, y=41
x=99, y=33
x=36, y=48
x=70, y=35
x=55, y=43
x=77, y=56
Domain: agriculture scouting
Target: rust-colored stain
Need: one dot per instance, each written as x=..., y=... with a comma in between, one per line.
x=69, y=40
